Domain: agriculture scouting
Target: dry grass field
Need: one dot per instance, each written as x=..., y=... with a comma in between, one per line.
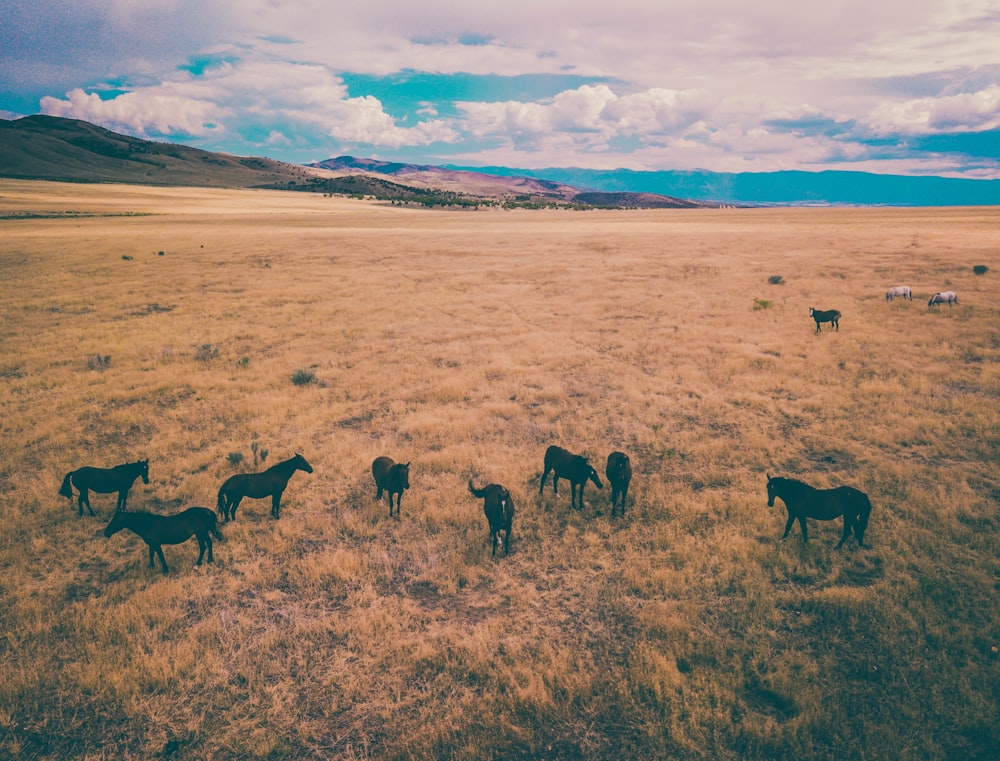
x=169, y=323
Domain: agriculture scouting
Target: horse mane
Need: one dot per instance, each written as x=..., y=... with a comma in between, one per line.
x=795, y=483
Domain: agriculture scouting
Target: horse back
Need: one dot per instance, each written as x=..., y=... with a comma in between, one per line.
x=566, y=464
x=388, y=474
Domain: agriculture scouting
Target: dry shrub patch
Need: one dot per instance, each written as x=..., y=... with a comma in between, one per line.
x=466, y=343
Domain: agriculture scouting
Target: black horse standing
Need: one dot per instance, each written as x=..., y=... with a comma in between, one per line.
x=498, y=506
x=619, y=473
x=392, y=477
x=271, y=483
x=831, y=316
x=804, y=501
x=157, y=530
x=574, y=468
x=104, y=481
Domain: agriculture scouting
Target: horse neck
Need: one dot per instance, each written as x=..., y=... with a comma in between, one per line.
x=287, y=467
x=793, y=488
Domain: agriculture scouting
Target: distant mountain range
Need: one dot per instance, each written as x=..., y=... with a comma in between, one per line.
x=778, y=188
x=53, y=148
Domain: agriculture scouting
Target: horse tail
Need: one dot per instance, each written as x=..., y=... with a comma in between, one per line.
x=220, y=502
x=863, y=514
x=214, y=529
x=66, y=490
x=476, y=492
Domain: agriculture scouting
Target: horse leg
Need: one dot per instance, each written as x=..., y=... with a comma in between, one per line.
x=163, y=560
x=201, y=547
x=399, y=501
x=545, y=475
x=276, y=505
x=788, y=525
x=836, y=324
x=85, y=500
x=805, y=534
x=493, y=541
x=233, y=504
x=378, y=496
x=122, y=499
x=848, y=527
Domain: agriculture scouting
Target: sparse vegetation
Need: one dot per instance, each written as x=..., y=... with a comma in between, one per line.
x=235, y=458
x=303, y=377
x=467, y=343
x=776, y=280
x=761, y=304
x=206, y=352
x=980, y=269
x=99, y=361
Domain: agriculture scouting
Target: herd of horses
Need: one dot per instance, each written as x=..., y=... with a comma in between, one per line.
x=801, y=500
x=832, y=316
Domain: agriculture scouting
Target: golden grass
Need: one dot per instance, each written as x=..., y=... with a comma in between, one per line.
x=467, y=342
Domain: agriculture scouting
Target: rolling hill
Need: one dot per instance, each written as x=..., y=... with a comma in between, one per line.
x=67, y=150
x=52, y=148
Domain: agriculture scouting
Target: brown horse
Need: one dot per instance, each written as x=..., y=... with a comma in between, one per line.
x=831, y=316
x=104, y=481
x=157, y=530
x=619, y=473
x=498, y=506
x=574, y=468
x=271, y=483
x=804, y=501
x=392, y=477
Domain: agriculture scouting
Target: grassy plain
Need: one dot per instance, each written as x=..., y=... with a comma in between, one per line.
x=467, y=342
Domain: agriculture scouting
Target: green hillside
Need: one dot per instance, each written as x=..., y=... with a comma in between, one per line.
x=51, y=148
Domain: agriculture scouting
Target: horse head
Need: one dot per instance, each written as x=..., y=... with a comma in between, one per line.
x=301, y=464
x=403, y=475
x=592, y=475
x=144, y=470
x=116, y=524
x=771, y=488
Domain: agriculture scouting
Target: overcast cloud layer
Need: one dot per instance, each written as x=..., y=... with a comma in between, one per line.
x=893, y=86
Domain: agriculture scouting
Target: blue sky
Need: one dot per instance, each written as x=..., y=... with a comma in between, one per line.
x=887, y=86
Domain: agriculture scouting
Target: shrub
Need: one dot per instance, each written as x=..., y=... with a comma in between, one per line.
x=761, y=304
x=776, y=280
x=235, y=458
x=303, y=377
x=980, y=269
x=206, y=352
x=126, y=257
x=99, y=362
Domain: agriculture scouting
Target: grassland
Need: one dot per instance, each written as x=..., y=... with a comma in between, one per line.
x=168, y=323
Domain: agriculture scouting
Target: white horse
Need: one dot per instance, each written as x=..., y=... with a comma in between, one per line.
x=902, y=291
x=944, y=297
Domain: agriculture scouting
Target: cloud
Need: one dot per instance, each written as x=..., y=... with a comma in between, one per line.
x=964, y=112
x=254, y=95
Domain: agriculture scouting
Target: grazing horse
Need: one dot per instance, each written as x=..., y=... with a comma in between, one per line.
x=944, y=297
x=831, y=316
x=271, y=483
x=803, y=501
x=619, y=473
x=392, y=477
x=498, y=506
x=104, y=481
x=900, y=291
x=157, y=530
x=574, y=468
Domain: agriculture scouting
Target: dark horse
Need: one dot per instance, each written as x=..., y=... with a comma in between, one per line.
x=831, y=316
x=498, y=506
x=619, y=473
x=104, y=481
x=573, y=467
x=157, y=530
x=392, y=477
x=271, y=483
x=803, y=501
